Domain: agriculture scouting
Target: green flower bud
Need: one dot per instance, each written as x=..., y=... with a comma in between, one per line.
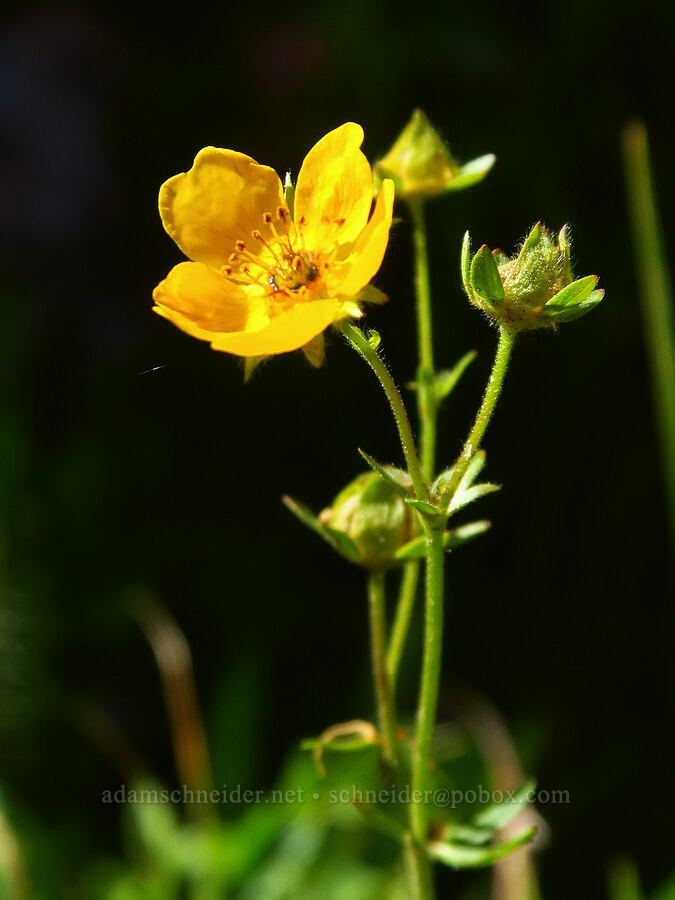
x=535, y=288
x=421, y=165
x=373, y=515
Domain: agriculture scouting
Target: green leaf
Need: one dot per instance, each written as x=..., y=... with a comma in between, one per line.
x=465, y=264
x=570, y=313
x=427, y=509
x=452, y=539
x=445, y=381
x=315, y=352
x=371, y=294
x=466, y=834
x=566, y=249
x=533, y=238
x=497, y=815
x=472, y=172
x=463, y=498
x=251, y=363
x=337, y=539
x=473, y=470
x=500, y=257
x=397, y=478
x=573, y=294
x=457, y=537
x=485, y=277
x=460, y=856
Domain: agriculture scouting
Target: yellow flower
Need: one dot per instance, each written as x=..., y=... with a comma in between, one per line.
x=265, y=278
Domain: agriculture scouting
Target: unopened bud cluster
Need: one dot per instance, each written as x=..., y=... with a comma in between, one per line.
x=533, y=289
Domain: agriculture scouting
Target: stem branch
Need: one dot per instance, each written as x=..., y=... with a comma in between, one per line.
x=360, y=343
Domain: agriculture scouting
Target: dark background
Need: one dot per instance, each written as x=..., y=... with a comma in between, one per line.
x=113, y=481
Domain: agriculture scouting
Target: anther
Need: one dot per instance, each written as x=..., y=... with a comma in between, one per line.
x=282, y=212
x=297, y=264
x=232, y=258
x=240, y=246
x=339, y=222
x=226, y=270
x=268, y=218
x=257, y=236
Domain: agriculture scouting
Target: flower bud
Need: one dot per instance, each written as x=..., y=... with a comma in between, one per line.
x=421, y=165
x=533, y=289
x=374, y=516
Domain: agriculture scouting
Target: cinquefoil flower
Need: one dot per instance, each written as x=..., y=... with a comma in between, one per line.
x=268, y=275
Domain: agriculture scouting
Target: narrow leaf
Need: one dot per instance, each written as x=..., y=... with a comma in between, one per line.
x=397, y=478
x=574, y=293
x=570, y=313
x=466, y=264
x=427, y=509
x=457, y=537
x=371, y=294
x=445, y=381
x=315, y=352
x=337, y=539
x=532, y=239
x=460, y=856
x=251, y=363
x=452, y=539
x=485, y=277
x=463, y=498
x=497, y=815
x=472, y=172
x=473, y=470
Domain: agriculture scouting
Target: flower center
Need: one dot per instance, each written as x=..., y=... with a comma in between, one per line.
x=293, y=272
x=282, y=263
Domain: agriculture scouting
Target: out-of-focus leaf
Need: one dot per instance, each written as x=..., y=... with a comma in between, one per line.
x=461, y=856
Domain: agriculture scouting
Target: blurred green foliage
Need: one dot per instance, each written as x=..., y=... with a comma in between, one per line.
x=114, y=475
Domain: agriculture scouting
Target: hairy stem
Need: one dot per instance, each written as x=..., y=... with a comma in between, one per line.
x=378, y=637
x=360, y=343
x=487, y=408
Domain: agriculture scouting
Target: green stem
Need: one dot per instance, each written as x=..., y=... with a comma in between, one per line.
x=378, y=637
x=399, y=630
x=431, y=673
x=492, y=392
x=657, y=296
x=426, y=397
x=427, y=410
x=360, y=343
x=418, y=872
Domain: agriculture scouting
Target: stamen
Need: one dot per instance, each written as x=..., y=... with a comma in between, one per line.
x=257, y=236
x=226, y=270
x=233, y=258
x=268, y=218
x=240, y=246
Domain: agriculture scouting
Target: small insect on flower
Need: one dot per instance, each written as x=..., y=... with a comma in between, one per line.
x=271, y=271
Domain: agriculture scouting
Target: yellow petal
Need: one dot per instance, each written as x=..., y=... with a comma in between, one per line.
x=200, y=301
x=365, y=258
x=334, y=190
x=288, y=331
x=221, y=200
